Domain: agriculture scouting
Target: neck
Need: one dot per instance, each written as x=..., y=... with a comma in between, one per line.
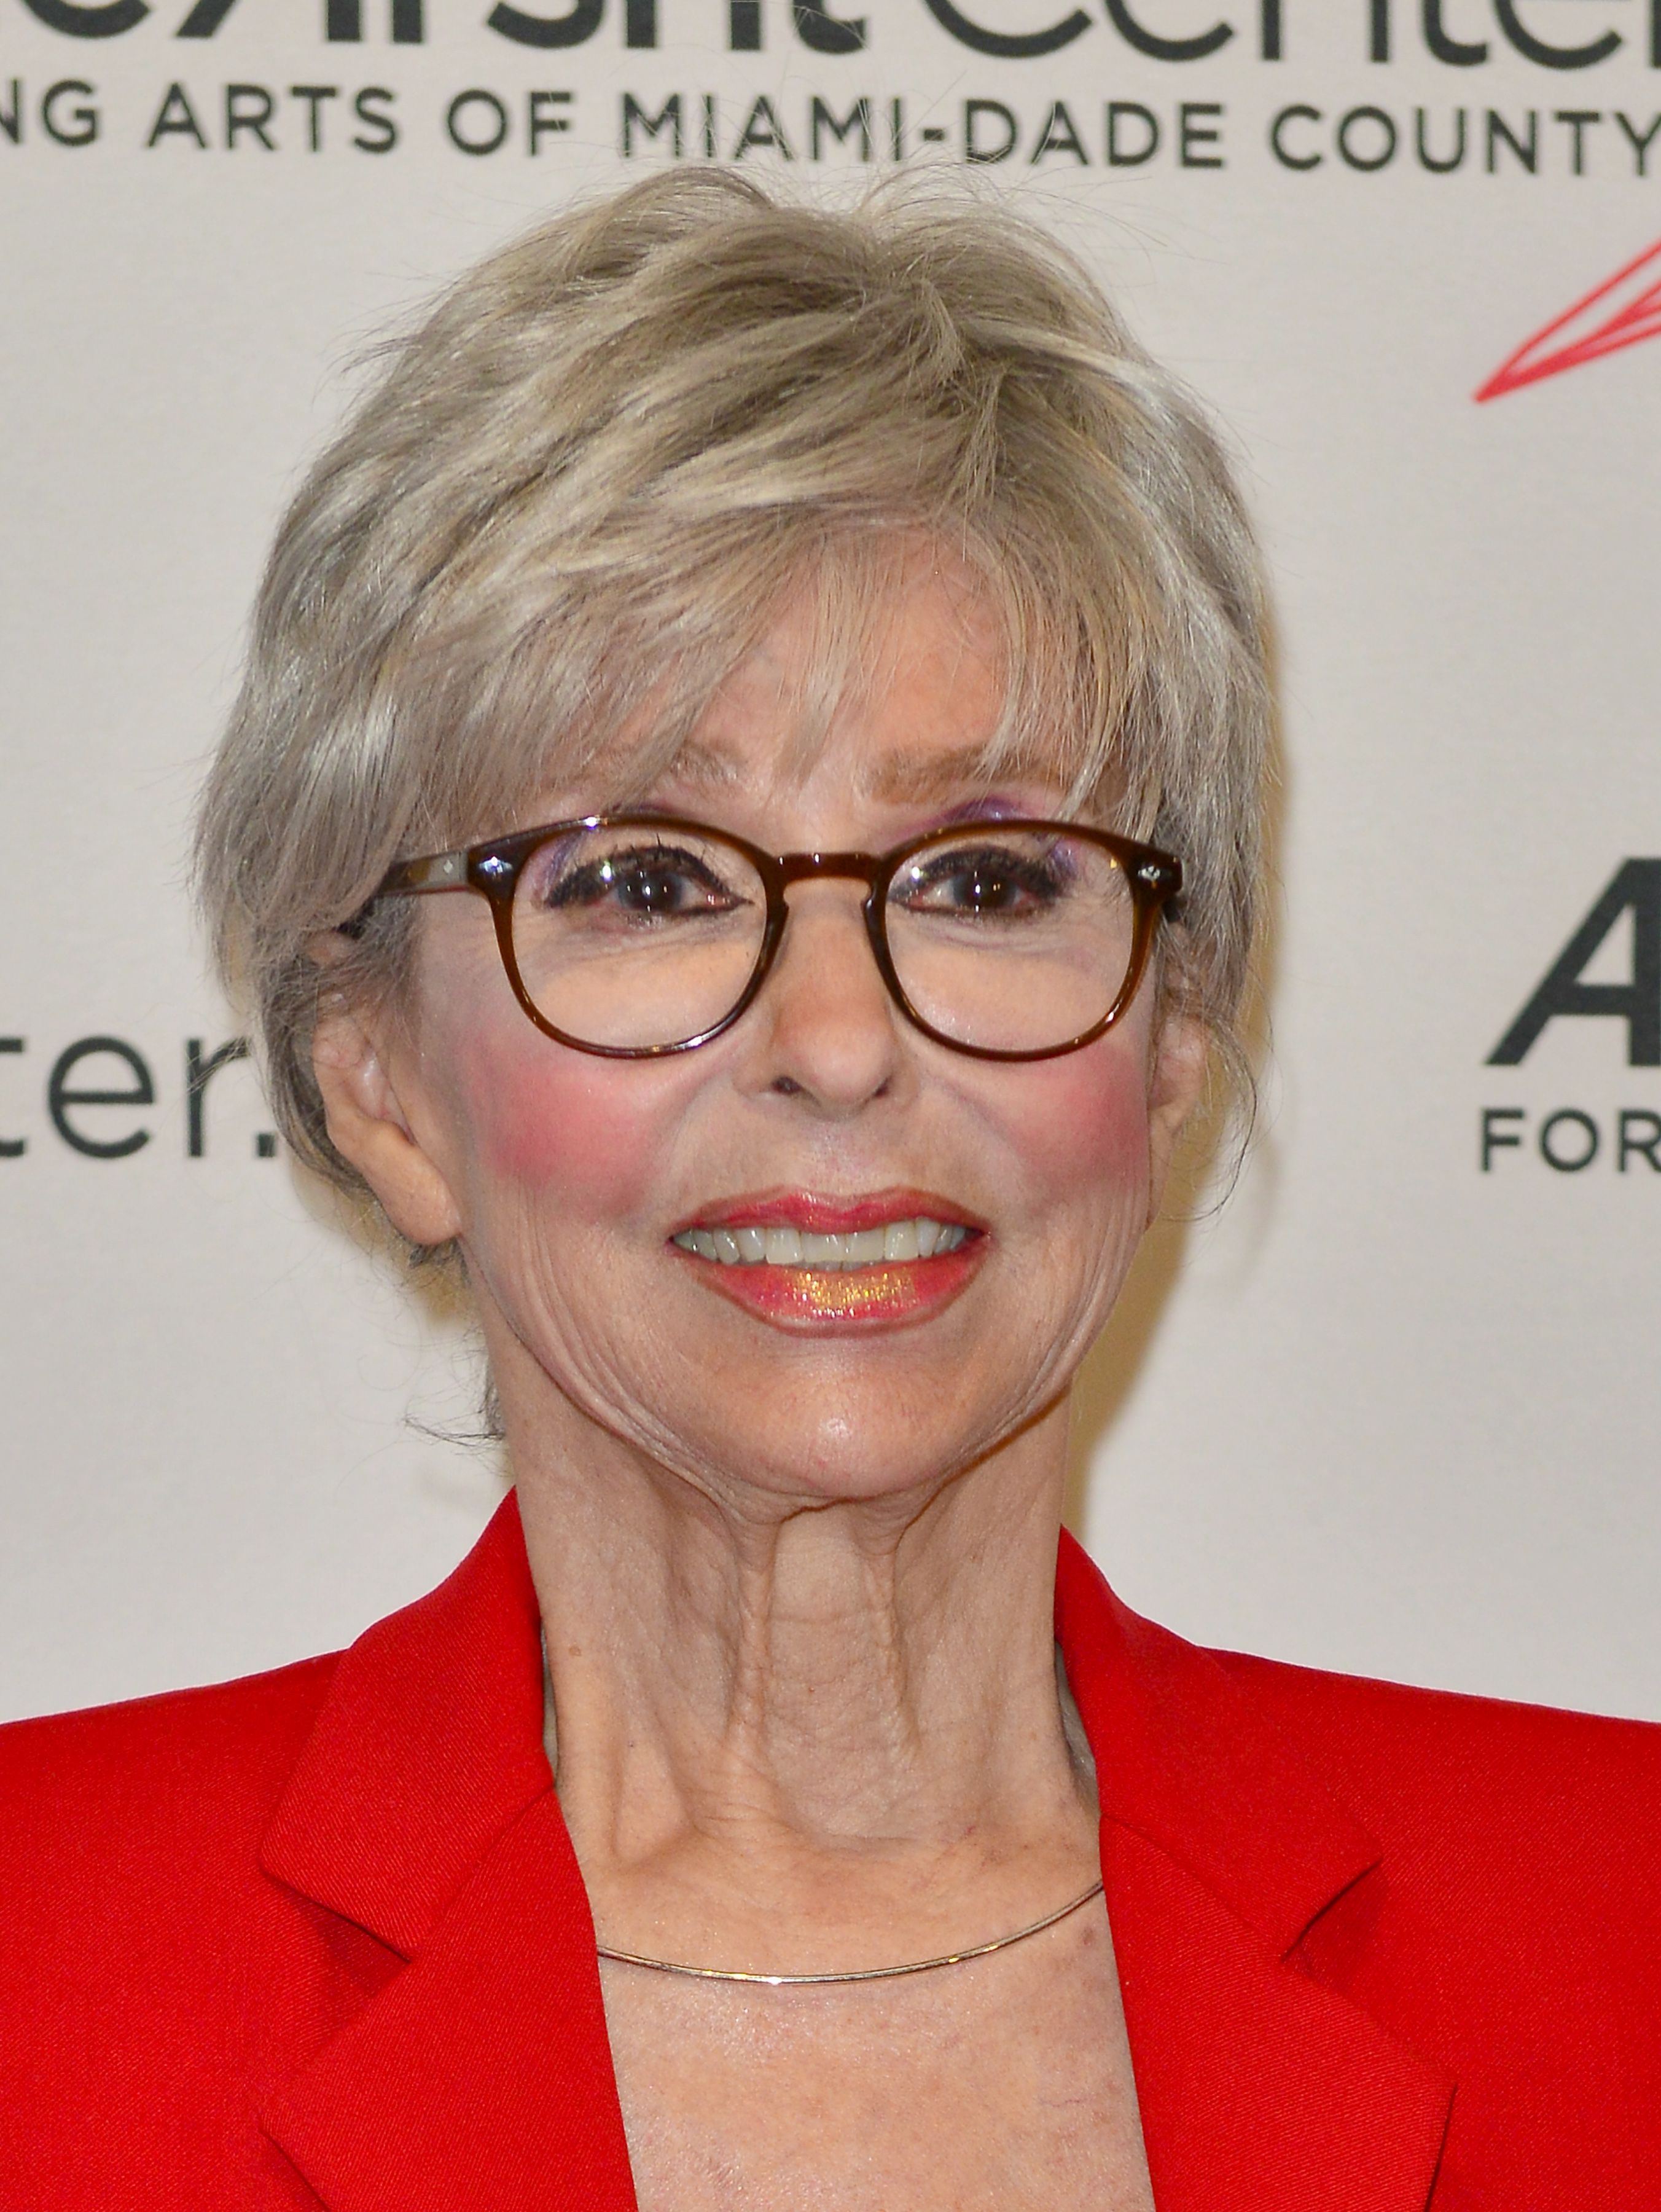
x=844, y=1712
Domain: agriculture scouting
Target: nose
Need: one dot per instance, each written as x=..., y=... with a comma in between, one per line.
x=826, y=1030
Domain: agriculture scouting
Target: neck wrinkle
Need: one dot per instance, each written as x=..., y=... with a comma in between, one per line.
x=821, y=1683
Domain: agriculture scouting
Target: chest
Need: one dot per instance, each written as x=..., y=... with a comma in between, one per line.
x=1005, y=2082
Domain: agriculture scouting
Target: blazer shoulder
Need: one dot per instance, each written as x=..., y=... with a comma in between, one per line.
x=1509, y=1928
x=135, y=1781
x=152, y=1974
x=1483, y=1770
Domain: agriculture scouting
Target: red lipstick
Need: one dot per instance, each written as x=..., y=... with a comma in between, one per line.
x=809, y=1300
x=827, y=1216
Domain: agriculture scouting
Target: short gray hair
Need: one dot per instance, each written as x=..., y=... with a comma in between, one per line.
x=581, y=486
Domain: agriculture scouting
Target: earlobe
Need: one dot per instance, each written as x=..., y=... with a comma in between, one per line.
x=1176, y=1077
x=370, y=1127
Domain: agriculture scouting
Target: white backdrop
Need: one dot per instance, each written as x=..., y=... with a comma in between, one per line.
x=1390, y=1411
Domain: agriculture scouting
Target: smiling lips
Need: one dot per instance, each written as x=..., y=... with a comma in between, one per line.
x=806, y=1262
x=750, y=1245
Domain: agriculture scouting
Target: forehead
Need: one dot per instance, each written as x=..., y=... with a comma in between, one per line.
x=911, y=772
x=902, y=698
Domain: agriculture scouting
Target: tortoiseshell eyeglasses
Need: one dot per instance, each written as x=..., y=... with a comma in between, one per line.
x=634, y=935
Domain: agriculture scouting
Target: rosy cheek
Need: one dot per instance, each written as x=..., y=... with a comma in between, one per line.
x=582, y=1132
x=1081, y=1125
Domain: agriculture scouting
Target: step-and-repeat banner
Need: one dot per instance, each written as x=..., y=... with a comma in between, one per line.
x=1394, y=1407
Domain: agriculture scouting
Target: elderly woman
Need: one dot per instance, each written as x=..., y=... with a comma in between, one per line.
x=740, y=829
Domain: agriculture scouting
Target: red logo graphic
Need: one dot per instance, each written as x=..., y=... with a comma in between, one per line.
x=1623, y=311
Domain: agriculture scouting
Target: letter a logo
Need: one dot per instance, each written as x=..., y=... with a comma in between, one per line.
x=1635, y=885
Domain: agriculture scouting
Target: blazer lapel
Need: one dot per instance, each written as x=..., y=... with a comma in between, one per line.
x=422, y=1810
x=482, y=2075
x=1260, y=2089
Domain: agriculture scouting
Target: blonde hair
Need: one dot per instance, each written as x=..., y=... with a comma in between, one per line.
x=583, y=484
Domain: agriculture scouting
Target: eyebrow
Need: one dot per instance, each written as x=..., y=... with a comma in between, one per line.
x=911, y=776
x=703, y=764
x=899, y=776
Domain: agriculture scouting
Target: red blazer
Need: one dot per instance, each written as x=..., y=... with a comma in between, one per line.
x=318, y=1937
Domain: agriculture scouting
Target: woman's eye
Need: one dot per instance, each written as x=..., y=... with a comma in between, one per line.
x=976, y=883
x=653, y=884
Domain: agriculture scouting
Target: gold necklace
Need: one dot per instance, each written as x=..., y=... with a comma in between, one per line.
x=861, y=1973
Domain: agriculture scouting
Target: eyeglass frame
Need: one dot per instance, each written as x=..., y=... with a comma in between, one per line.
x=492, y=868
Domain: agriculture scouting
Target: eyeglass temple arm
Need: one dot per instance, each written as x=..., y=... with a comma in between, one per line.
x=434, y=871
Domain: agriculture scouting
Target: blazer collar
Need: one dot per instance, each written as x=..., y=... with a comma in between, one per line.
x=1259, y=2088
x=422, y=1811
x=1185, y=1761
x=429, y=1743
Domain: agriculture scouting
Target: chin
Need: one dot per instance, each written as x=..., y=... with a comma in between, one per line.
x=856, y=1450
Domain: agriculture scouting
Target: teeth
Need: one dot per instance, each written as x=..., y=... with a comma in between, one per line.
x=749, y=1246
x=900, y=1240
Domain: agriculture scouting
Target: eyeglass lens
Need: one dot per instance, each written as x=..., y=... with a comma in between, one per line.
x=634, y=939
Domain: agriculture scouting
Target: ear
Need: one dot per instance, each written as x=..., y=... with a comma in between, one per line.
x=355, y=1060
x=1176, y=1076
